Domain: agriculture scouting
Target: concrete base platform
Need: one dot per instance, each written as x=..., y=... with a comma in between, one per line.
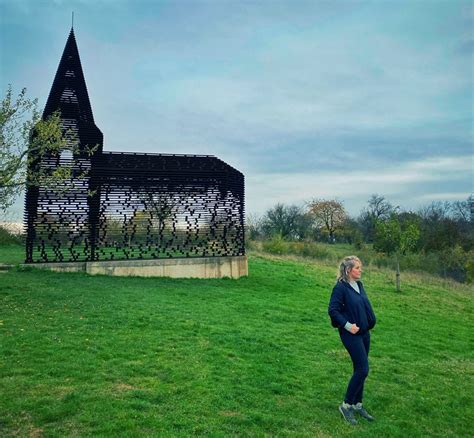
x=199, y=267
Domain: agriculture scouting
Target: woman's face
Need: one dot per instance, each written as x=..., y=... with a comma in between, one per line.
x=356, y=272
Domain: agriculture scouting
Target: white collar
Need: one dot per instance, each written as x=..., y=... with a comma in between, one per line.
x=355, y=286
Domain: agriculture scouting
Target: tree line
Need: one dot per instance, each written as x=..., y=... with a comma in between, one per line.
x=442, y=230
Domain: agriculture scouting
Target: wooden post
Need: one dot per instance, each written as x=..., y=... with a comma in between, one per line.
x=398, y=274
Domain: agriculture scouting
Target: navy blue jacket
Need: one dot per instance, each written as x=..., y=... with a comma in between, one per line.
x=347, y=305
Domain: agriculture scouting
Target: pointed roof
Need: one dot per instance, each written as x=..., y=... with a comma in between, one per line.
x=69, y=90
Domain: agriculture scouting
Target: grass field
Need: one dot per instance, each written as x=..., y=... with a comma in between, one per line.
x=103, y=356
x=13, y=254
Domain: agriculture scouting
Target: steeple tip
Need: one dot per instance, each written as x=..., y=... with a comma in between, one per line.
x=69, y=91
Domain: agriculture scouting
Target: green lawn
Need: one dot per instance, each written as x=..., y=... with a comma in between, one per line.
x=103, y=356
x=13, y=254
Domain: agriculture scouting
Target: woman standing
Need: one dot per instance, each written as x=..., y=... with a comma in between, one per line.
x=351, y=312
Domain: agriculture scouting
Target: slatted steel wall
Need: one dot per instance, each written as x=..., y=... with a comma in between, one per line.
x=57, y=217
x=139, y=206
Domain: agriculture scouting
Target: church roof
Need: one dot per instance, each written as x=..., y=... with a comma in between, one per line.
x=132, y=162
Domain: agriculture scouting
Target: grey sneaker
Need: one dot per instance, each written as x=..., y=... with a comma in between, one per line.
x=359, y=409
x=348, y=414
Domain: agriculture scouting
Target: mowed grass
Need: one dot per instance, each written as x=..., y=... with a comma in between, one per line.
x=102, y=356
x=12, y=254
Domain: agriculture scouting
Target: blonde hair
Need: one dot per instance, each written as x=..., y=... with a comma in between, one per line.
x=346, y=265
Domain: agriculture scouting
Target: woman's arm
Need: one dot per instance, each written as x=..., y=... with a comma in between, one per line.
x=371, y=319
x=336, y=307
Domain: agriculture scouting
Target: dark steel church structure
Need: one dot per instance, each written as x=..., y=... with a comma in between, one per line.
x=127, y=206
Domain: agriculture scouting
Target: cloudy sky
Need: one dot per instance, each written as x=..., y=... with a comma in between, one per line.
x=309, y=99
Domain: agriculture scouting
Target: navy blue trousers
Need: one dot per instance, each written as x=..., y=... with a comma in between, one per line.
x=358, y=347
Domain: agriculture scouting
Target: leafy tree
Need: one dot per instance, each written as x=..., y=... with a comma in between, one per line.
x=24, y=140
x=456, y=263
x=393, y=236
x=303, y=226
x=352, y=234
x=134, y=227
x=438, y=230
x=329, y=215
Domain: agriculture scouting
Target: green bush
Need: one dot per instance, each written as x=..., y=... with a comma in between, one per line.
x=311, y=249
x=470, y=271
x=420, y=262
x=383, y=261
x=276, y=245
x=455, y=262
x=452, y=263
x=7, y=238
x=251, y=244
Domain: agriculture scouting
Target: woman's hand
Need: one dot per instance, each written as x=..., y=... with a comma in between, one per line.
x=354, y=329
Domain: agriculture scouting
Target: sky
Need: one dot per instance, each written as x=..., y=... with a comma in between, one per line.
x=309, y=99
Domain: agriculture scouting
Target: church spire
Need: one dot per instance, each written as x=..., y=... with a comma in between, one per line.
x=69, y=95
x=69, y=91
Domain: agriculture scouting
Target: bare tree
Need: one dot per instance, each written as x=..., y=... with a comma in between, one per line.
x=253, y=226
x=378, y=208
x=461, y=211
x=160, y=207
x=283, y=220
x=436, y=211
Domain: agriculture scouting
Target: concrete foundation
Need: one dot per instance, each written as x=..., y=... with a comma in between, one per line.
x=199, y=267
